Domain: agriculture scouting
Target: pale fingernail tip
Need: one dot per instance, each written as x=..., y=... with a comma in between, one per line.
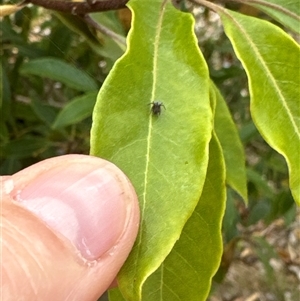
x=85, y=204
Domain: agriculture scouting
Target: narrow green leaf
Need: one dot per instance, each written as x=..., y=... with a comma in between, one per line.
x=232, y=147
x=186, y=273
x=165, y=156
x=230, y=220
x=5, y=91
x=271, y=60
x=76, y=110
x=60, y=71
x=285, y=12
x=4, y=132
x=258, y=211
x=45, y=112
x=24, y=147
x=260, y=183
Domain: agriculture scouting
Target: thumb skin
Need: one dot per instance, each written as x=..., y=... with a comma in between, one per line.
x=67, y=225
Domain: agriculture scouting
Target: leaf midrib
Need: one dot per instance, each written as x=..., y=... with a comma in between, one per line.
x=274, y=6
x=149, y=135
x=269, y=73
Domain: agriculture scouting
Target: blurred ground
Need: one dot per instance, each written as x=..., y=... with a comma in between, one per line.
x=266, y=265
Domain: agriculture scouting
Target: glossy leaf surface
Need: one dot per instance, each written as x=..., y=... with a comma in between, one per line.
x=165, y=156
x=186, y=273
x=271, y=60
x=231, y=146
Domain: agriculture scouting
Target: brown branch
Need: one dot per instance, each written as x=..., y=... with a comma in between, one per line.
x=80, y=8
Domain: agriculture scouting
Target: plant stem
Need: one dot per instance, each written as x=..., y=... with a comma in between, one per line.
x=80, y=8
x=105, y=30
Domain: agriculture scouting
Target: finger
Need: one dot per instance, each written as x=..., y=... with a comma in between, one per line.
x=68, y=224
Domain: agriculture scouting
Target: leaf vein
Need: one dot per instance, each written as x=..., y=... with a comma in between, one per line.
x=269, y=73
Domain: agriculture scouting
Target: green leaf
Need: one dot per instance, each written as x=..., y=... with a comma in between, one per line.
x=79, y=26
x=280, y=205
x=186, y=273
x=45, y=112
x=271, y=60
x=290, y=216
x=114, y=42
x=5, y=91
x=4, y=132
x=258, y=211
x=60, y=71
x=165, y=156
x=260, y=183
x=63, y=37
x=248, y=131
x=8, y=33
x=285, y=12
x=112, y=28
x=232, y=147
x=230, y=219
x=110, y=20
x=103, y=46
x=24, y=111
x=24, y=147
x=76, y=110
x=115, y=294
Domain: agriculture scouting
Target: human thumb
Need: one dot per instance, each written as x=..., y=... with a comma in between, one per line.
x=67, y=226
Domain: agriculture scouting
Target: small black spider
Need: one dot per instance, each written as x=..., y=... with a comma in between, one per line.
x=156, y=107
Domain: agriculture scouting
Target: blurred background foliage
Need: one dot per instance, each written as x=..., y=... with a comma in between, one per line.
x=52, y=66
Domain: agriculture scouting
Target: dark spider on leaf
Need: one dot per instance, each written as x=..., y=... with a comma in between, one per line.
x=156, y=107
